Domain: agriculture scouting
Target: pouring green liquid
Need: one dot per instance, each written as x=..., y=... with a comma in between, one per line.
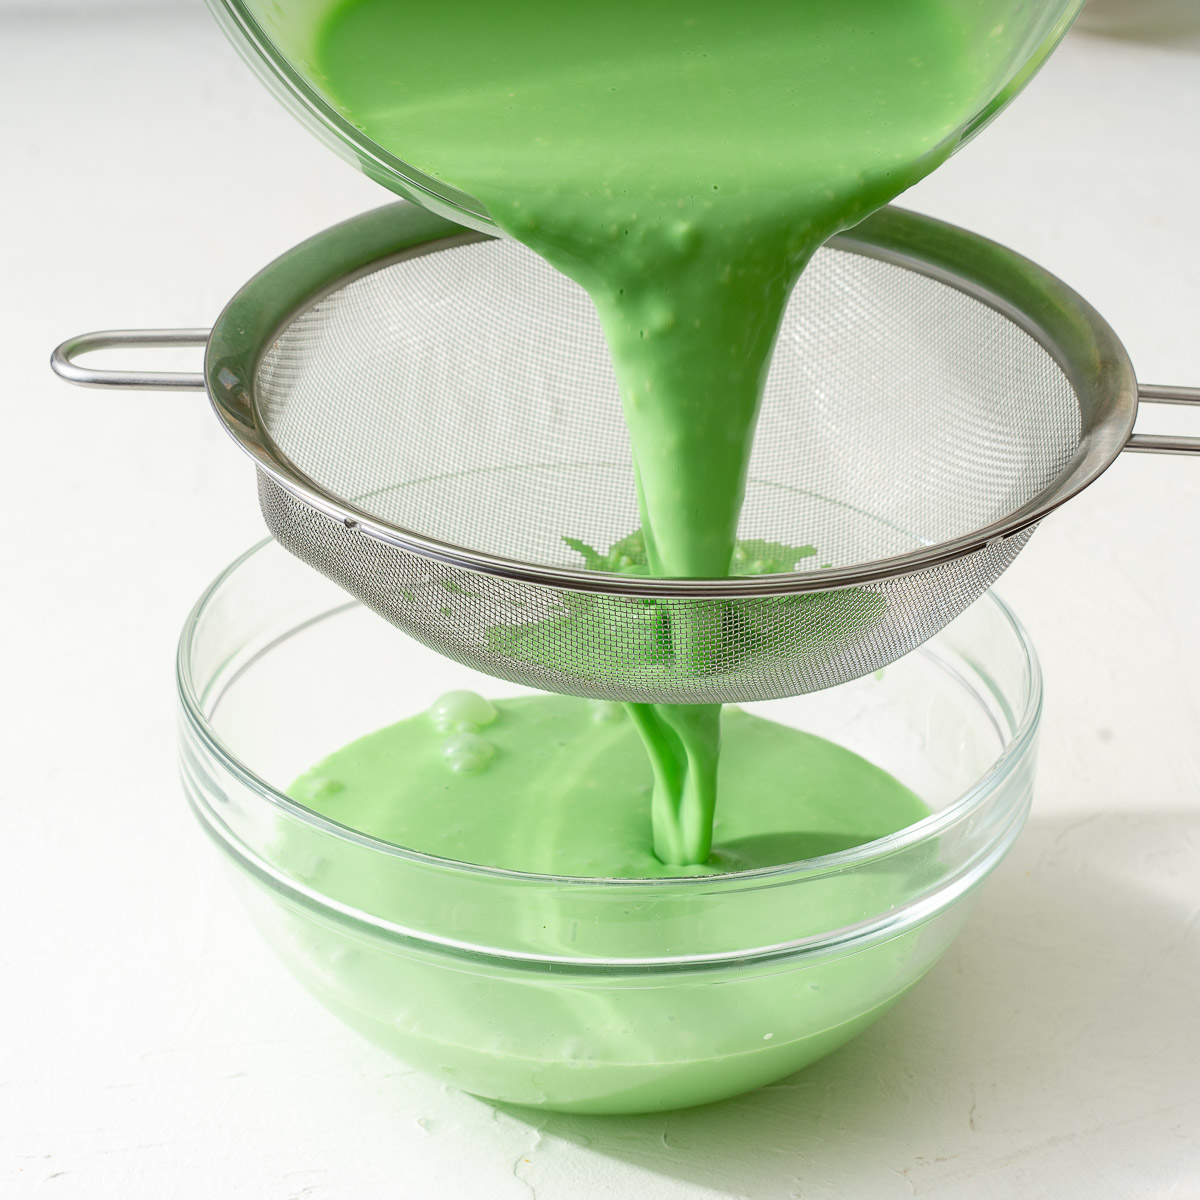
x=682, y=161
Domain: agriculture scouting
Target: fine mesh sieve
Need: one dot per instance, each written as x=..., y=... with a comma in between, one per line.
x=436, y=428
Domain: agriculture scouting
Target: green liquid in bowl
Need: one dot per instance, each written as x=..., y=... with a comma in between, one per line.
x=576, y=993
x=553, y=785
x=556, y=785
x=624, y=1041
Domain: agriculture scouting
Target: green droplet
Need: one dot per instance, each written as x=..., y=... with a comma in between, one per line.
x=462, y=711
x=467, y=752
x=466, y=764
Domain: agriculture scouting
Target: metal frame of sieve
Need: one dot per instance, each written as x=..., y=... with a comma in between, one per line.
x=564, y=628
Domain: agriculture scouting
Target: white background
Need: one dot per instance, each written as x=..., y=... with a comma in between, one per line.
x=152, y=1048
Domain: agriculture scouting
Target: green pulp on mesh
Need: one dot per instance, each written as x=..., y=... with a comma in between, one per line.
x=656, y=644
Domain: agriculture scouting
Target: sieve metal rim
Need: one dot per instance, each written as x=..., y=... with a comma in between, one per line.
x=1079, y=340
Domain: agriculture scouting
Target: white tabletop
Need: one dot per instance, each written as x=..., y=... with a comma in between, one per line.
x=153, y=1048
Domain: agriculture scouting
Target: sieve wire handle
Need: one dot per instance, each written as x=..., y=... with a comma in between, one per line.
x=63, y=363
x=1157, y=443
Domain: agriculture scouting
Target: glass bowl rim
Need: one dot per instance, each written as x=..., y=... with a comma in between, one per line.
x=928, y=828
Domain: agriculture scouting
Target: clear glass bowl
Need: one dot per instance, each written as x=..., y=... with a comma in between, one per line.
x=580, y=994
x=1013, y=37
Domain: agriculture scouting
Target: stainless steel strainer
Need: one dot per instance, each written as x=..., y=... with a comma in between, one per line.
x=436, y=428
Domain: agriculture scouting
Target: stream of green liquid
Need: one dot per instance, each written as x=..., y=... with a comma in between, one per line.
x=681, y=160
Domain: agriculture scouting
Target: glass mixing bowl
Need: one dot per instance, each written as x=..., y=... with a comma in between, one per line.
x=580, y=994
x=279, y=41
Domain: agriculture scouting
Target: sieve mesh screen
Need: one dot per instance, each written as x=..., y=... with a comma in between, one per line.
x=467, y=395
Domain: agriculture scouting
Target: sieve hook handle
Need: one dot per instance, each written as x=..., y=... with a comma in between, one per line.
x=1157, y=443
x=63, y=363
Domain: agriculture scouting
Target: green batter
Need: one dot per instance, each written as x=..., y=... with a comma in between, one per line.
x=681, y=160
x=554, y=785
